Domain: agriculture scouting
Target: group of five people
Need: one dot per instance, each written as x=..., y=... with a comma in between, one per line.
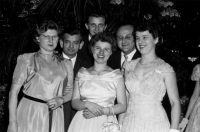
x=94, y=81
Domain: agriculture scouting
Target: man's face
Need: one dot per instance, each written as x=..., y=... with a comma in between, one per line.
x=70, y=44
x=125, y=39
x=95, y=25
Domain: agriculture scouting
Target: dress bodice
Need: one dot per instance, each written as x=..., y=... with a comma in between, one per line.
x=100, y=89
x=151, y=86
x=42, y=79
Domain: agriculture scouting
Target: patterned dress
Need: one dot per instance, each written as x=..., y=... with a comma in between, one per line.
x=98, y=89
x=145, y=112
x=44, y=81
x=194, y=121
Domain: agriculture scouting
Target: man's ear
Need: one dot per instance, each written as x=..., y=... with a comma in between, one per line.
x=156, y=40
x=86, y=25
x=61, y=43
x=37, y=39
x=81, y=45
x=105, y=27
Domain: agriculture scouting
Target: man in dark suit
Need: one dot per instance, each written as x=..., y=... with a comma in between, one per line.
x=71, y=42
x=95, y=23
x=126, y=47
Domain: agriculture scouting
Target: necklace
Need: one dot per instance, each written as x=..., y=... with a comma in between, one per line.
x=101, y=71
x=149, y=62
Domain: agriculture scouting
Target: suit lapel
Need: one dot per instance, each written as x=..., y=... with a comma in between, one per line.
x=136, y=55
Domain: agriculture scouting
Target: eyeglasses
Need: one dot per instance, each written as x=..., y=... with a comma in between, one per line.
x=48, y=37
x=127, y=38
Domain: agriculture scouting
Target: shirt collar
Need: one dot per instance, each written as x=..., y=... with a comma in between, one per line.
x=72, y=59
x=130, y=55
x=89, y=37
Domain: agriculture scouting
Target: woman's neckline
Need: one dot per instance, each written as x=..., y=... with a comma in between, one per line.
x=100, y=72
x=89, y=72
x=47, y=57
x=149, y=63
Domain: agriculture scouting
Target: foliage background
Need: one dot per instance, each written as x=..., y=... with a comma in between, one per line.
x=178, y=22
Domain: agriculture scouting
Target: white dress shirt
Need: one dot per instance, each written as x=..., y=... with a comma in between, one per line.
x=130, y=56
x=72, y=59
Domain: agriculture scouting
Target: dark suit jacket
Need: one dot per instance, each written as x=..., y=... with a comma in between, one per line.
x=85, y=51
x=115, y=59
x=69, y=112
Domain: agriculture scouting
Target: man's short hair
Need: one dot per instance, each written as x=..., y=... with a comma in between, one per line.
x=71, y=31
x=126, y=24
x=96, y=13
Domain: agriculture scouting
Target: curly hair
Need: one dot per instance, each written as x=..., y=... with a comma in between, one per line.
x=103, y=37
x=45, y=25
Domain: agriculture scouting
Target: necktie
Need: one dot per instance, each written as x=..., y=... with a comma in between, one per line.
x=70, y=62
x=70, y=66
x=124, y=63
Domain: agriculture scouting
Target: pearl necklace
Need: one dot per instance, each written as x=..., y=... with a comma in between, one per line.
x=101, y=71
x=149, y=62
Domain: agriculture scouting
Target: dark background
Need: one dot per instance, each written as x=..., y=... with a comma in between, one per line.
x=178, y=22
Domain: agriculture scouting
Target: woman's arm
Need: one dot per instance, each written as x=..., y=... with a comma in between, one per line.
x=172, y=91
x=193, y=99
x=121, y=116
x=13, y=101
x=67, y=91
x=120, y=107
x=78, y=104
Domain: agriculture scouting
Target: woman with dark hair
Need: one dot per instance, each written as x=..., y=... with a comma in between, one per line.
x=96, y=88
x=147, y=80
x=47, y=84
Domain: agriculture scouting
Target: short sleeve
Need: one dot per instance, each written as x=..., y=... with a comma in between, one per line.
x=20, y=72
x=196, y=73
x=167, y=68
x=79, y=72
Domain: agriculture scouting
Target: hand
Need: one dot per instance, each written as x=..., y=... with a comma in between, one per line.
x=67, y=89
x=88, y=114
x=54, y=103
x=183, y=124
x=96, y=109
x=12, y=127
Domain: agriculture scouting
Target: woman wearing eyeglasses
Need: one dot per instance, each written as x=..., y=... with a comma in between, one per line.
x=47, y=84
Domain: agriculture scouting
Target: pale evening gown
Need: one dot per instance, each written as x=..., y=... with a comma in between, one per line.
x=145, y=112
x=194, y=121
x=100, y=89
x=44, y=81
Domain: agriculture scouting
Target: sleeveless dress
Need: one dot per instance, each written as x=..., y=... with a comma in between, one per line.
x=194, y=121
x=145, y=112
x=44, y=82
x=98, y=89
